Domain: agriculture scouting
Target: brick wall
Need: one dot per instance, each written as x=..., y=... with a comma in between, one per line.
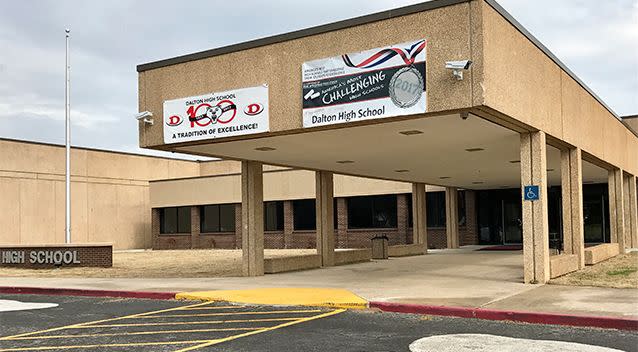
x=289, y=238
x=173, y=241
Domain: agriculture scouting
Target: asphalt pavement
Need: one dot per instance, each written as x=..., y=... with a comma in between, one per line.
x=108, y=324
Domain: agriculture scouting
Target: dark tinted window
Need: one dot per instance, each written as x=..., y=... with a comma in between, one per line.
x=438, y=208
x=435, y=209
x=372, y=212
x=218, y=218
x=175, y=220
x=304, y=214
x=274, y=216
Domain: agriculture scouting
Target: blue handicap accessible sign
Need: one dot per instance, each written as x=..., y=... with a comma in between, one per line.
x=531, y=193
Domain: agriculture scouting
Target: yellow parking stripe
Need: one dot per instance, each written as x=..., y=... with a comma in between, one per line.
x=214, y=307
x=186, y=323
x=138, y=344
x=231, y=313
x=230, y=338
x=101, y=321
x=134, y=333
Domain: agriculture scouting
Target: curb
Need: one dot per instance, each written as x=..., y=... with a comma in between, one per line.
x=516, y=316
x=83, y=292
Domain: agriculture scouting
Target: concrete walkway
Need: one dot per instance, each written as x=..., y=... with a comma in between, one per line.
x=462, y=277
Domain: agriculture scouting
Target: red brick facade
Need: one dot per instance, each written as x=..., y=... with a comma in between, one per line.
x=289, y=238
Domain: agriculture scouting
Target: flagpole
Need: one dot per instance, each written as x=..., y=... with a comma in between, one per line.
x=67, y=108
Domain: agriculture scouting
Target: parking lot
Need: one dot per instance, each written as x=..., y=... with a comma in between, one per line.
x=182, y=327
x=110, y=324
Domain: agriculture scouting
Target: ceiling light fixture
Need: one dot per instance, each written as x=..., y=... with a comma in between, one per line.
x=402, y=170
x=345, y=161
x=444, y=177
x=474, y=149
x=477, y=182
x=515, y=161
x=265, y=149
x=411, y=132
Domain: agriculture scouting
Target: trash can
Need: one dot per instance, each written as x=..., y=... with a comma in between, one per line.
x=380, y=247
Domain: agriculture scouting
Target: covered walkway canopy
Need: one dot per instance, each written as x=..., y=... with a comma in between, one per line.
x=450, y=93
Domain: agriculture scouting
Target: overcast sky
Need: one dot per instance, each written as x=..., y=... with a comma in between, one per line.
x=597, y=40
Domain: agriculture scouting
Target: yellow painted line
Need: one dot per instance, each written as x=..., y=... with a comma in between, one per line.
x=138, y=344
x=134, y=333
x=293, y=296
x=100, y=321
x=214, y=307
x=231, y=313
x=230, y=338
x=187, y=323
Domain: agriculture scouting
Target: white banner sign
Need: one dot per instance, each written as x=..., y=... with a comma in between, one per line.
x=216, y=115
x=372, y=84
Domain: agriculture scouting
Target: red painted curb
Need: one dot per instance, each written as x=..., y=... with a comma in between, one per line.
x=518, y=316
x=82, y=292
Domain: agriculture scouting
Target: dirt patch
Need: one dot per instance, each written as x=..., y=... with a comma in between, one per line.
x=154, y=264
x=619, y=272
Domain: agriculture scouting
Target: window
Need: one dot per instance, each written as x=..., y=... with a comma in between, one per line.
x=274, y=216
x=217, y=218
x=175, y=220
x=462, y=213
x=435, y=209
x=304, y=214
x=372, y=212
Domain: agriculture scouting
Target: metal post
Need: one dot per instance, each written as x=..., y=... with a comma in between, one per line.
x=67, y=106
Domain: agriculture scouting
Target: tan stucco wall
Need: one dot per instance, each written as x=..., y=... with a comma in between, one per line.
x=447, y=30
x=524, y=83
x=110, y=194
x=633, y=122
x=278, y=185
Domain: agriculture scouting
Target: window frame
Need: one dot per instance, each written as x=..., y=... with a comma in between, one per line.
x=374, y=203
x=178, y=218
x=218, y=208
x=280, y=216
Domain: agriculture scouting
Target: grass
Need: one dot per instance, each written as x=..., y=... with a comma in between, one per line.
x=160, y=264
x=618, y=272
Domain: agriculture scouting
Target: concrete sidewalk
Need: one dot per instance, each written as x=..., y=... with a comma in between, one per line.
x=461, y=277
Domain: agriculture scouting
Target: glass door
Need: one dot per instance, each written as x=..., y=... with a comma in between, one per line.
x=512, y=223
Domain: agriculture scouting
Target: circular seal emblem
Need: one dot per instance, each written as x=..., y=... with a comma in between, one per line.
x=406, y=87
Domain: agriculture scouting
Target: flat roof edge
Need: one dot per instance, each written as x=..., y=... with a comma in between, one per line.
x=93, y=149
x=356, y=21
x=278, y=38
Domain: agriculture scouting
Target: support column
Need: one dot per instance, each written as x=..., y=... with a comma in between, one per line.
x=617, y=208
x=402, y=218
x=252, y=218
x=342, y=223
x=325, y=217
x=629, y=197
x=452, y=217
x=419, y=223
x=535, y=222
x=572, y=203
x=195, y=227
x=288, y=224
x=633, y=210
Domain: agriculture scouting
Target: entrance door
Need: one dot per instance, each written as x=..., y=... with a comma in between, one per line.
x=594, y=220
x=512, y=224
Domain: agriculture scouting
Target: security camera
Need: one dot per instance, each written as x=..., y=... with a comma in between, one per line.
x=457, y=67
x=145, y=116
